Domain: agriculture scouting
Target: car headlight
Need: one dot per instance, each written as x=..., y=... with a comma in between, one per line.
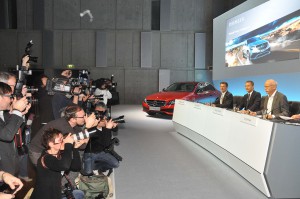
x=171, y=102
x=145, y=100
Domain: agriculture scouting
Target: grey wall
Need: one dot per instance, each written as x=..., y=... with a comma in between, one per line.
x=112, y=43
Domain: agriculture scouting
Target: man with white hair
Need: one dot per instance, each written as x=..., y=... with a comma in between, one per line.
x=275, y=103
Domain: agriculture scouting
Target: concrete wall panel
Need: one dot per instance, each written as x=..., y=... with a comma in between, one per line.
x=174, y=50
x=103, y=12
x=66, y=14
x=130, y=14
x=84, y=48
x=138, y=84
x=124, y=49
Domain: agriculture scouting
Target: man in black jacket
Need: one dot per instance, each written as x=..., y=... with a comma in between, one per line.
x=95, y=157
x=251, y=101
x=74, y=118
x=226, y=98
x=10, y=122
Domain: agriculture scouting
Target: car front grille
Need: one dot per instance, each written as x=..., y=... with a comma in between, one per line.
x=156, y=103
x=262, y=46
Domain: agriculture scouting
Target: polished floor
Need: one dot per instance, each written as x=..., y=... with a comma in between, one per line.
x=159, y=163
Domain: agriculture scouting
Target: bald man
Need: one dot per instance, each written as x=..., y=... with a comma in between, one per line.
x=275, y=102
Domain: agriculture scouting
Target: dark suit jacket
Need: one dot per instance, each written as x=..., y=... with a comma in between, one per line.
x=280, y=105
x=60, y=124
x=254, y=102
x=227, y=101
x=8, y=153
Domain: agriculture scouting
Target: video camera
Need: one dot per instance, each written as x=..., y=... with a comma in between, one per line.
x=28, y=52
x=67, y=85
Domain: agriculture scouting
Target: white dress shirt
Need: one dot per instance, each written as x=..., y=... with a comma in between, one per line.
x=2, y=116
x=222, y=97
x=270, y=103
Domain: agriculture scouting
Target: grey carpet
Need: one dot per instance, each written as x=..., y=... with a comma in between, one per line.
x=159, y=163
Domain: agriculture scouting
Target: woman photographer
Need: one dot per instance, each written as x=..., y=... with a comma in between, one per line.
x=60, y=156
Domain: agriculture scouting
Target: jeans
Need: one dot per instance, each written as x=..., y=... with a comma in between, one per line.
x=23, y=162
x=98, y=161
x=78, y=194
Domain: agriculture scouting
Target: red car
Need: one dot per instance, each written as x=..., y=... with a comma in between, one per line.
x=163, y=102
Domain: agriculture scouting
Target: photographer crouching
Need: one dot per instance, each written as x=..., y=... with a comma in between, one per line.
x=97, y=155
x=61, y=154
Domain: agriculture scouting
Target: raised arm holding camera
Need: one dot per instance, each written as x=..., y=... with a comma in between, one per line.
x=10, y=122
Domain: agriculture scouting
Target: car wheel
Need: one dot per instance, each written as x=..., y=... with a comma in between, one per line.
x=151, y=113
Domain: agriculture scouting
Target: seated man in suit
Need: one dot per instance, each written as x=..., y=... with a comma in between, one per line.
x=251, y=101
x=275, y=103
x=226, y=98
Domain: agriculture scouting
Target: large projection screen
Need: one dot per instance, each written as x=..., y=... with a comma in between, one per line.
x=270, y=23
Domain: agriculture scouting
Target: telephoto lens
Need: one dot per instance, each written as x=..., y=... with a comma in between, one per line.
x=84, y=134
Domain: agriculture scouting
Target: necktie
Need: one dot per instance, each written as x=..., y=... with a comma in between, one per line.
x=248, y=99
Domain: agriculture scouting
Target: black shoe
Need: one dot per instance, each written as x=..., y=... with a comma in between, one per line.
x=86, y=174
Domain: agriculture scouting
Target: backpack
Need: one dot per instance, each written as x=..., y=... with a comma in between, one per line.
x=95, y=187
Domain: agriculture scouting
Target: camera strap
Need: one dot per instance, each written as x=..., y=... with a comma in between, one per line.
x=69, y=181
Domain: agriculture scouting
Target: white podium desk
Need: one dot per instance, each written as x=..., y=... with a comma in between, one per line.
x=265, y=153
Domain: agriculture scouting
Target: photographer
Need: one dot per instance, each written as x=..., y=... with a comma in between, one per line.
x=44, y=105
x=61, y=100
x=21, y=147
x=59, y=156
x=103, y=90
x=10, y=122
x=95, y=157
x=14, y=184
x=72, y=122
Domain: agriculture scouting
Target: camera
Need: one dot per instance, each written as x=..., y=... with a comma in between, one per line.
x=67, y=191
x=31, y=100
x=110, y=149
x=84, y=134
x=119, y=119
x=28, y=52
x=21, y=80
x=31, y=89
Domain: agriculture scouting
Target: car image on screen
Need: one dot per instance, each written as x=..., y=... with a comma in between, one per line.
x=255, y=48
x=163, y=102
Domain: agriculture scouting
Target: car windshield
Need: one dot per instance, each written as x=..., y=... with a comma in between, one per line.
x=181, y=87
x=253, y=39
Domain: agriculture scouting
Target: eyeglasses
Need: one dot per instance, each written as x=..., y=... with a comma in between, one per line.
x=79, y=117
x=11, y=96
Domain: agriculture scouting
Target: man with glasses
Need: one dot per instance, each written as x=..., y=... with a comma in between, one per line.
x=11, y=118
x=72, y=122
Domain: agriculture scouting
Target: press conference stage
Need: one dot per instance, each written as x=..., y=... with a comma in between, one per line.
x=161, y=163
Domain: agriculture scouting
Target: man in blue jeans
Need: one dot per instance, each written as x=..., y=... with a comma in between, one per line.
x=95, y=157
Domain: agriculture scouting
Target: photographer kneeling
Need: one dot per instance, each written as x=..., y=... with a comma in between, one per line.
x=59, y=156
x=95, y=155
